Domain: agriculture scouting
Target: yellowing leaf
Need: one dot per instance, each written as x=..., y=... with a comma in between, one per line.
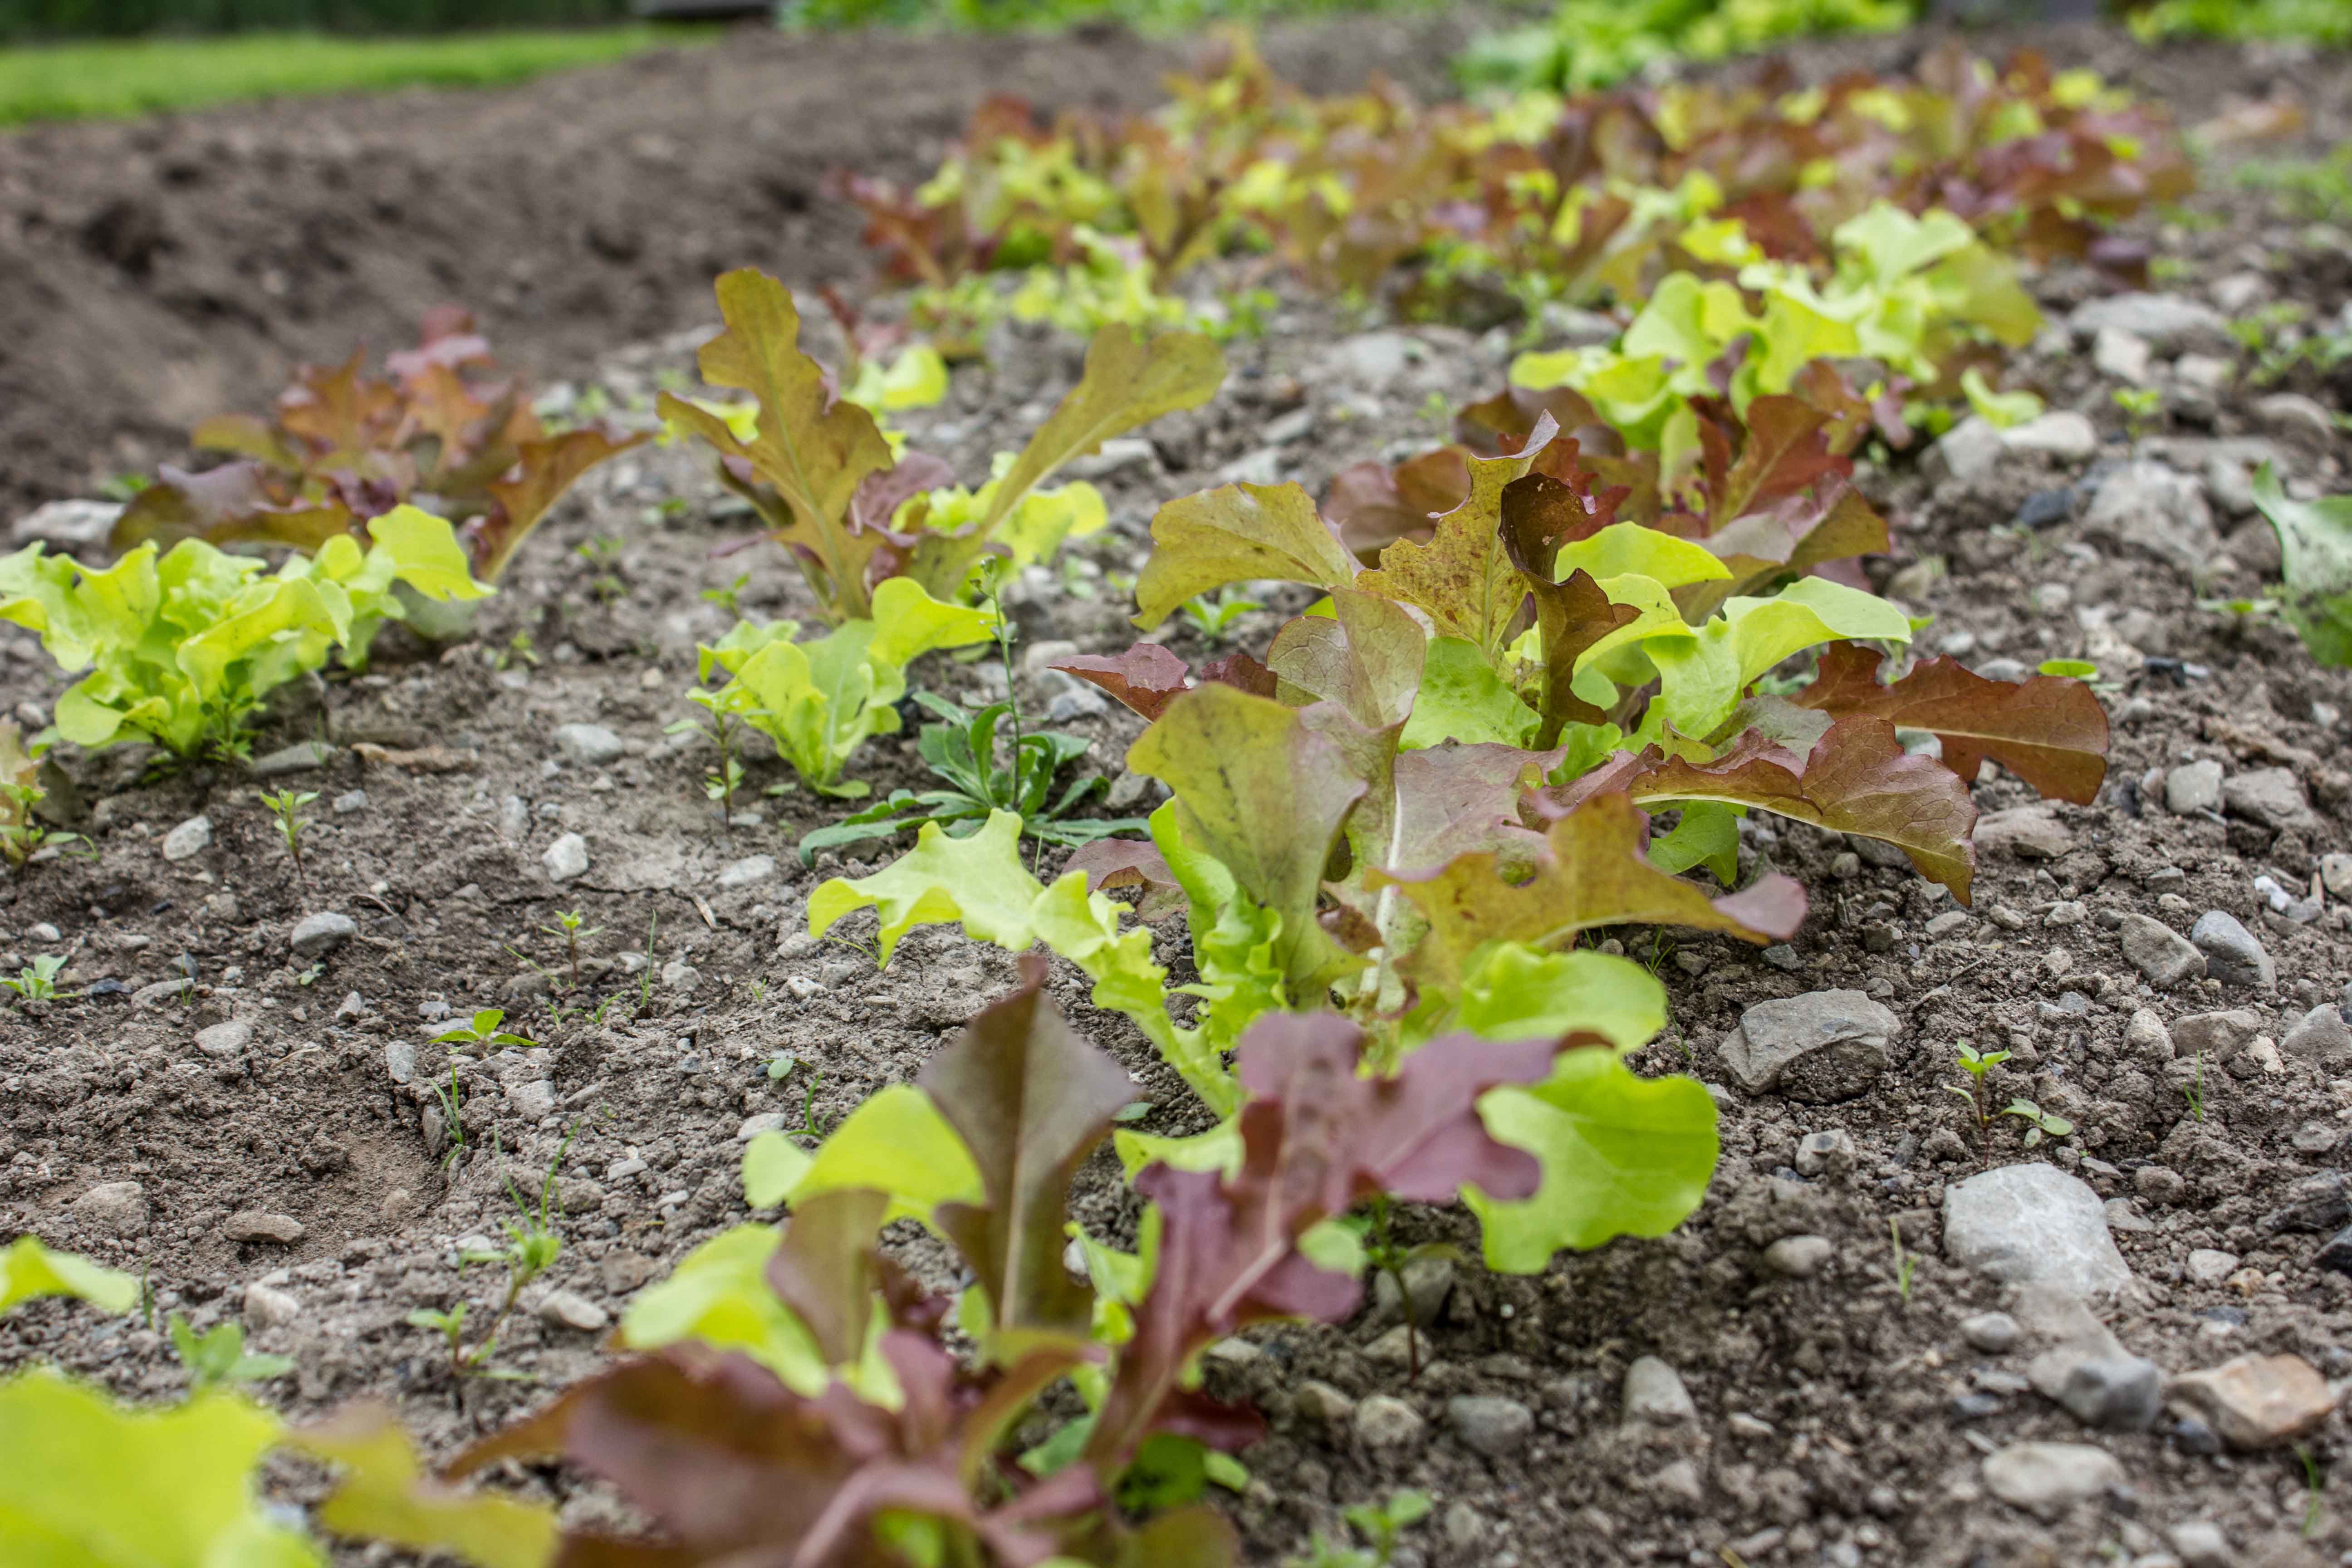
x=384, y=1494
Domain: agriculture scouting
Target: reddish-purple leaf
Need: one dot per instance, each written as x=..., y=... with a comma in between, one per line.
x=1147, y=677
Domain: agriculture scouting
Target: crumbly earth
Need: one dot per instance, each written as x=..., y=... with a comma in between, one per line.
x=1839, y=1416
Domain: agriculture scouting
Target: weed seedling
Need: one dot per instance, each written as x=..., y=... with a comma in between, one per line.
x=2140, y=406
x=520, y=649
x=2194, y=1089
x=1390, y=1257
x=453, y=1107
x=2039, y=1123
x=531, y=1247
x=567, y=926
x=37, y=981
x=726, y=708
x=2315, y=1505
x=219, y=1359
x=286, y=805
x=482, y=1033
x=1382, y=1524
x=1976, y=1064
x=1214, y=617
x=729, y=598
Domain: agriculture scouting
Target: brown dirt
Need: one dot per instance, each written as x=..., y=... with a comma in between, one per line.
x=1840, y=1421
x=155, y=273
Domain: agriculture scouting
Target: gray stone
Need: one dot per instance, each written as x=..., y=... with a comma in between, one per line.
x=1798, y=1256
x=1823, y=1045
x=2149, y=507
x=2047, y=1479
x=2216, y=1036
x=680, y=976
x=2257, y=1401
x=1385, y=1422
x=302, y=757
x=2272, y=796
x=2207, y=1265
x=2336, y=874
x=400, y=1060
x=2232, y=956
x=2160, y=953
x=2147, y=1037
x=2320, y=1036
x=2298, y=421
x=1951, y=923
x=570, y=1310
x=188, y=840
x=750, y=871
x=225, y=1040
x=566, y=859
x=1968, y=452
x=116, y=1208
x=1654, y=1393
x=67, y=524
x=1120, y=455
x=765, y=1122
x=1995, y=1333
x=1261, y=466
x=2201, y=1544
x=351, y=803
x=2169, y=324
x=588, y=745
x=1374, y=361
x=1428, y=1282
x=255, y=1225
x=322, y=933
x=2122, y=1216
x=267, y=1307
x=2062, y=434
x=2122, y=355
x=1829, y=1153
x=2028, y=832
x=533, y=1099
x=2193, y=787
x=1327, y=1412
x=1492, y=1426
x=2159, y=1184
x=2032, y=1224
x=2101, y=1385
x=514, y=819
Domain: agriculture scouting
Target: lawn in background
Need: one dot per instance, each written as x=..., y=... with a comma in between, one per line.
x=75, y=81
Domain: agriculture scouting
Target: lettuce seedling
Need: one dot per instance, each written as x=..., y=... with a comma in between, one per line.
x=182, y=650
x=21, y=793
x=832, y=490
x=2316, y=555
x=342, y=449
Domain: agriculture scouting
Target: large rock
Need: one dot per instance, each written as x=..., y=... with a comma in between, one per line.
x=2271, y=796
x=2320, y=1036
x=2034, y=1224
x=2047, y=1479
x=2151, y=508
x=2171, y=323
x=566, y=859
x=322, y=933
x=2162, y=954
x=2233, y=955
x=1824, y=1046
x=2216, y=1036
x=2257, y=1401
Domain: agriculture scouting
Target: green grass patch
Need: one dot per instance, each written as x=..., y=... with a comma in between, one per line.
x=78, y=81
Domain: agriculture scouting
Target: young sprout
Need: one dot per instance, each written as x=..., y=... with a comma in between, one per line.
x=2140, y=406
x=727, y=707
x=217, y=1358
x=37, y=981
x=1976, y=1065
x=781, y=1067
x=286, y=807
x=2039, y=1123
x=2194, y=1089
x=452, y=1108
x=1214, y=617
x=567, y=926
x=731, y=597
x=482, y=1033
x=531, y=1247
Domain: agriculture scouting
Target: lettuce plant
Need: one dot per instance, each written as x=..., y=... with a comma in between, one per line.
x=342, y=449
x=182, y=647
x=2315, y=551
x=1444, y=774
x=855, y=512
x=819, y=701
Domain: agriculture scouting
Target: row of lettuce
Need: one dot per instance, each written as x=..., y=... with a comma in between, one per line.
x=1535, y=689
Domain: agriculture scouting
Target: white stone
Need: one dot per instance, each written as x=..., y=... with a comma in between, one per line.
x=1823, y=1045
x=69, y=524
x=2168, y=323
x=1969, y=451
x=566, y=859
x=747, y=871
x=225, y=1040
x=2047, y=1479
x=2208, y=1267
x=533, y=1099
x=2062, y=434
x=267, y=1307
x=1654, y=1392
x=571, y=1309
x=588, y=745
x=2121, y=355
x=2193, y=787
x=188, y=840
x=2034, y=1224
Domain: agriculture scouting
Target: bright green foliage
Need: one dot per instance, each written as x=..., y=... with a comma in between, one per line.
x=1597, y=43
x=2316, y=560
x=1908, y=292
x=385, y=1492
x=85, y=1483
x=819, y=701
x=181, y=648
x=217, y=1357
x=28, y=1269
x=2326, y=22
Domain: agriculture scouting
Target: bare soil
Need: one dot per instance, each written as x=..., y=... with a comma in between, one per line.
x=1841, y=1418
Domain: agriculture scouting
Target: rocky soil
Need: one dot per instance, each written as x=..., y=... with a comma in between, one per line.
x=1891, y=1336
